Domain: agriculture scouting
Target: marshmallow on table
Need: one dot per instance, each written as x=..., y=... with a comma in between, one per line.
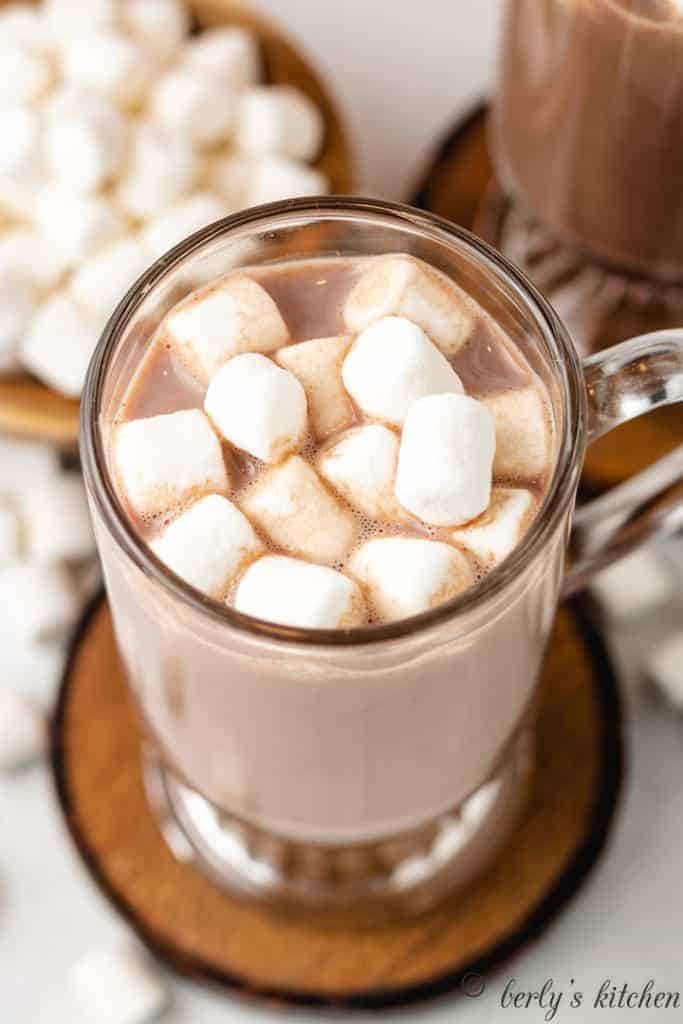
x=77, y=225
x=163, y=166
x=361, y=466
x=17, y=308
x=32, y=668
x=27, y=254
x=181, y=220
x=20, y=131
x=634, y=586
x=399, y=285
x=317, y=364
x=279, y=119
x=223, y=321
x=26, y=73
x=523, y=434
x=38, y=601
x=57, y=519
x=59, y=344
x=164, y=462
x=407, y=575
x=85, y=142
x=209, y=545
x=105, y=62
x=23, y=733
x=195, y=104
x=445, y=459
x=118, y=986
x=258, y=407
x=665, y=668
x=160, y=26
x=393, y=363
x=231, y=55
x=22, y=463
x=279, y=177
x=292, y=506
x=294, y=593
x=9, y=533
x=102, y=281
x=492, y=536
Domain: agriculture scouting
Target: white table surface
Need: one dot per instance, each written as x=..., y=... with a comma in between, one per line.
x=401, y=71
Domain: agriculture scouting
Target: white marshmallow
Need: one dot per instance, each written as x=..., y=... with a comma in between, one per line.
x=77, y=225
x=27, y=254
x=23, y=23
x=85, y=143
x=66, y=18
x=362, y=467
x=23, y=734
x=22, y=463
x=38, y=601
x=228, y=54
x=445, y=459
x=57, y=519
x=164, y=462
x=633, y=587
x=21, y=137
x=393, y=363
x=258, y=407
x=292, y=506
x=495, y=534
x=406, y=575
x=180, y=221
x=59, y=343
x=102, y=281
x=209, y=545
x=279, y=119
x=317, y=364
x=278, y=177
x=665, y=668
x=110, y=65
x=163, y=167
x=26, y=74
x=223, y=321
x=33, y=668
x=18, y=196
x=229, y=176
x=10, y=540
x=523, y=434
x=294, y=593
x=195, y=105
x=17, y=308
x=118, y=987
x=160, y=26
x=400, y=285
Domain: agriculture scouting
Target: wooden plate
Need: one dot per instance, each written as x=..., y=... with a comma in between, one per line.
x=210, y=936
x=28, y=408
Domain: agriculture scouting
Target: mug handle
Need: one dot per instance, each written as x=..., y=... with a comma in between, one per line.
x=624, y=382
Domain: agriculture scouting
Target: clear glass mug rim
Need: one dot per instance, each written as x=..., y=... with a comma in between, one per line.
x=566, y=365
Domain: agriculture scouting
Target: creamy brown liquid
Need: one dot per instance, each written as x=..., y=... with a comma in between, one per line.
x=588, y=124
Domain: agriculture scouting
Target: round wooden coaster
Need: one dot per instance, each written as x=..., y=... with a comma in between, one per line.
x=31, y=410
x=459, y=184
x=211, y=936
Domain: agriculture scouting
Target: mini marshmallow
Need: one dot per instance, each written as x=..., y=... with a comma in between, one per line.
x=27, y=254
x=230, y=55
x=23, y=23
x=22, y=463
x=59, y=343
x=160, y=26
x=77, y=225
x=277, y=177
x=85, y=142
x=523, y=434
x=495, y=534
x=104, y=62
x=17, y=308
x=21, y=137
x=180, y=221
x=317, y=364
x=57, y=520
x=164, y=462
x=392, y=364
x=66, y=18
x=445, y=459
x=102, y=281
x=407, y=575
x=361, y=466
x=258, y=407
x=32, y=668
x=10, y=541
x=292, y=506
x=26, y=74
x=195, y=105
x=163, y=167
x=18, y=196
x=294, y=593
x=399, y=285
x=209, y=545
x=23, y=735
x=229, y=176
x=223, y=321
x=118, y=987
x=279, y=119
x=38, y=601
x=633, y=587
x=665, y=669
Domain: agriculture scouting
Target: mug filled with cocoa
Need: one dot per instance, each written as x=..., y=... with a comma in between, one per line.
x=332, y=449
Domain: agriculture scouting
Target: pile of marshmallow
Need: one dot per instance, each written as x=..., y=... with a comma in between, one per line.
x=122, y=134
x=422, y=462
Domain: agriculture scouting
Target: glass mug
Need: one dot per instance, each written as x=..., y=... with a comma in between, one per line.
x=377, y=767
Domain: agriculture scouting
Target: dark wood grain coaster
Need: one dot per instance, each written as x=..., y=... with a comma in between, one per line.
x=31, y=410
x=210, y=936
x=459, y=184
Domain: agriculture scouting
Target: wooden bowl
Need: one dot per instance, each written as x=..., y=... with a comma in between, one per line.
x=28, y=408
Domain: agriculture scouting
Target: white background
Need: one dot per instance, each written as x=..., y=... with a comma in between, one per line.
x=401, y=71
